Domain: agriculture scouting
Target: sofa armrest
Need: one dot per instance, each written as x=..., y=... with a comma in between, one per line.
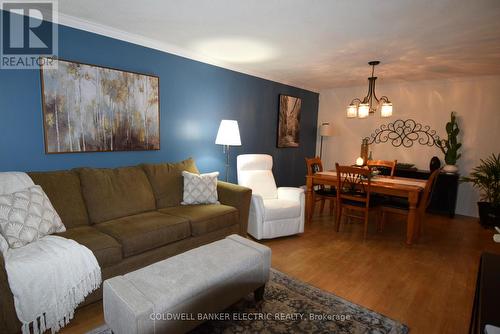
x=238, y=197
x=291, y=194
x=8, y=316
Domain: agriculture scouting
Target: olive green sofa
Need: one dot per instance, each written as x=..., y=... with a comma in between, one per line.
x=131, y=217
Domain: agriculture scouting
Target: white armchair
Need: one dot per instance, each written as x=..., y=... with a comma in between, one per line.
x=274, y=212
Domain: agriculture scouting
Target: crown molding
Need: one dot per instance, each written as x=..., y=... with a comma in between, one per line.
x=100, y=29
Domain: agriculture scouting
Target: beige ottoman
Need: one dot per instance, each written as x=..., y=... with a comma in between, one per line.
x=170, y=295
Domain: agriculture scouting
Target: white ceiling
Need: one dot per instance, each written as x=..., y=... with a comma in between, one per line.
x=316, y=44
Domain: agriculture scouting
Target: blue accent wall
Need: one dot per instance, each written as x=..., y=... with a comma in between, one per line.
x=194, y=97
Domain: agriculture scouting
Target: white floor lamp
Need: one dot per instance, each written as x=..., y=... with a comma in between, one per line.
x=325, y=130
x=228, y=135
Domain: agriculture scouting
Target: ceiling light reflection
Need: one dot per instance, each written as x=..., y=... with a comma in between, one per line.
x=236, y=50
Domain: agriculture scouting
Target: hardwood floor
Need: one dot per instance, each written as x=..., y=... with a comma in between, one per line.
x=429, y=286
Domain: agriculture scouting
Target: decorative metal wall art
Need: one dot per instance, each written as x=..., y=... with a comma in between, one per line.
x=405, y=133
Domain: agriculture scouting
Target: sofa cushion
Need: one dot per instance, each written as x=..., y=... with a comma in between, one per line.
x=167, y=181
x=205, y=218
x=106, y=249
x=115, y=193
x=65, y=194
x=145, y=231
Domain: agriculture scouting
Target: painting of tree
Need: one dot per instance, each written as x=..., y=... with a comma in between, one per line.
x=89, y=108
x=289, y=121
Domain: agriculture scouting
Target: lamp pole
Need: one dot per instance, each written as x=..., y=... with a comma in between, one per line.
x=228, y=135
x=226, y=150
x=321, y=147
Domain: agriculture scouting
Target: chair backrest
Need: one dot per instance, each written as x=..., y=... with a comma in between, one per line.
x=353, y=183
x=425, y=201
x=383, y=163
x=255, y=172
x=314, y=165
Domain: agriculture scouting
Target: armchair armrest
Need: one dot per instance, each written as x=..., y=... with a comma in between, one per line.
x=297, y=195
x=257, y=206
x=8, y=316
x=291, y=194
x=256, y=217
x=238, y=197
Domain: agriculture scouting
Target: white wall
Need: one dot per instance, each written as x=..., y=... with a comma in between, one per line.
x=476, y=101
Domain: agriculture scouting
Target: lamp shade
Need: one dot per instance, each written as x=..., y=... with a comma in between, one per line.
x=352, y=111
x=363, y=110
x=326, y=130
x=386, y=110
x=228, y=134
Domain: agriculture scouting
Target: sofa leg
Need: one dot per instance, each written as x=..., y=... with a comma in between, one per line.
x=259, y=293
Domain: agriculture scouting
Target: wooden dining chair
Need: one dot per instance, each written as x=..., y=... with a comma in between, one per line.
x=353, y=194
x=322, y=193
x=389, y=164
x=400, y=205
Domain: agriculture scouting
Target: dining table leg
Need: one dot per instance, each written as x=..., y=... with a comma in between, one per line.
x=309, y=199
x=412, y=217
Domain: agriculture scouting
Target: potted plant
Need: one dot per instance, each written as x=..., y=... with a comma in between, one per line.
x=451, y=145
x=486, y=178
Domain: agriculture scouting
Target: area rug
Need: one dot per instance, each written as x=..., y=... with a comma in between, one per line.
x=292, y=306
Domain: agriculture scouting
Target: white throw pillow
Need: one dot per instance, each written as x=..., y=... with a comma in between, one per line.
x=26, y=216
x=200, y=188
x=14, y=181
x=4, y=246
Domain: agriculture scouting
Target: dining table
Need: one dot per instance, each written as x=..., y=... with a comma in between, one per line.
x=408, y=188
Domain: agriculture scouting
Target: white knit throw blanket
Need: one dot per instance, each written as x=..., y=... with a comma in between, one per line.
x=49, y=278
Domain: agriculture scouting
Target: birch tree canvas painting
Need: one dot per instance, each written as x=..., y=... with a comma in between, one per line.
x=89, y=108
x=289, y=121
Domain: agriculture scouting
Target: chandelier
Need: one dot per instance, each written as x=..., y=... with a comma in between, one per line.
x=370, y=103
